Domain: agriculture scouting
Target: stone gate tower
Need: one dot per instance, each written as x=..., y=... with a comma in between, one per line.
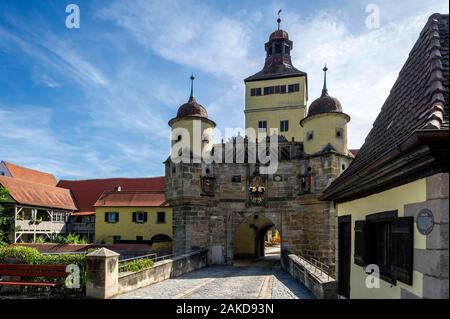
x=228, y=206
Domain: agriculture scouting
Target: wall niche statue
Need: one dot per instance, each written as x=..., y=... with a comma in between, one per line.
x=207, y=184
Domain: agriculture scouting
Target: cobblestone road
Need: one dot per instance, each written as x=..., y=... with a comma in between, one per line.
x=248, y=279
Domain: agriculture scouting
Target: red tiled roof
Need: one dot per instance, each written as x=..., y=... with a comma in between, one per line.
x=39, y=195
x=86, y=192
x=30, y=175
x=132, y=198
x=83, y=213
x=66, y=248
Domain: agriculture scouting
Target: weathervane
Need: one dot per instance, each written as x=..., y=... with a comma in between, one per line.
x=325, y=69
x=192, y=84
x=279, y=19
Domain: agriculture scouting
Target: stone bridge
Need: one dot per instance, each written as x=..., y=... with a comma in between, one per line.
x=260, y=278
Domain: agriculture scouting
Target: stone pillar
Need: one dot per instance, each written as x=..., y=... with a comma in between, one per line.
x=102, y=274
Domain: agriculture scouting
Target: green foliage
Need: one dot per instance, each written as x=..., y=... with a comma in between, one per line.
x=68, y=239
x=4, y=194
x=24, y=255
x=40, y=240
x=5, y=218
x=136, y=265
x=27, y=255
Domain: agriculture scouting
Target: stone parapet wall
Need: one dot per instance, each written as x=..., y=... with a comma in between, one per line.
x=162, y=270
x=210, y=221
x=318, y=282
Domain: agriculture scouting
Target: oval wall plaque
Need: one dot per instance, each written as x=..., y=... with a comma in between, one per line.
x=425, y=221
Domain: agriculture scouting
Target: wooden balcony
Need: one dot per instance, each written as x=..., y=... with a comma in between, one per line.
x=81, y=228
x=27, y=226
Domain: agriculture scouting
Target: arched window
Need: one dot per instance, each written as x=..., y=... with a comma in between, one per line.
x=161, y=238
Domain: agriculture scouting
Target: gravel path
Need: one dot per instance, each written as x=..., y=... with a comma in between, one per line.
x=247, y=279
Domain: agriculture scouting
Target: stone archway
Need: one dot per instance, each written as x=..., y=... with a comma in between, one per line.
x=249, y=236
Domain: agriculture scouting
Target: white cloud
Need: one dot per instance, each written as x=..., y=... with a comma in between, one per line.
x=363, y=66
x=188, y=33
x=126, y=108
x=41, y=78
x=58, y=54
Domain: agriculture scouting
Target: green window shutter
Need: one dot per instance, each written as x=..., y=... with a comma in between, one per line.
x=134, y=217
x=117, y=219
x=145, y=217
x=403, y=249
x=106, y=217
x=360, y=243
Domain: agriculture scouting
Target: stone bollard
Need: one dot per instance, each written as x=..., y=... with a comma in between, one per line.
x=102, y=274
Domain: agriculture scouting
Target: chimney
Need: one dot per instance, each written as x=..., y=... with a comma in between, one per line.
x=119, y=188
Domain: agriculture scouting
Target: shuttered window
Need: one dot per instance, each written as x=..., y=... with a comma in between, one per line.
x=387, y=241
x=403, y=249
x=161, y=217
x=111, y=217
x=139, y=217
x=359, y=257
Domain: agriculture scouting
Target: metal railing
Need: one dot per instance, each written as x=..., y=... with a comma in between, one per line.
x=123, y=262
x=153, y=257
x=319, y=268
x=67, y=253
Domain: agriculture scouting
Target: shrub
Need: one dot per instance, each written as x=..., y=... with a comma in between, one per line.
x=6, y=220
x=40, y=240
x=24, y=255
x=136, y=265
x=68, y=239
x=27, y=255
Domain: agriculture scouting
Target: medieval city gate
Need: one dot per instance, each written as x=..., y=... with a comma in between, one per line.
x=249, y=235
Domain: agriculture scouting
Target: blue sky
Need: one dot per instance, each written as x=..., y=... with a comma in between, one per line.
x=94, y=102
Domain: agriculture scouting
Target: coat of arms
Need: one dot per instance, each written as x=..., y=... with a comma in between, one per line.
x=257, y=192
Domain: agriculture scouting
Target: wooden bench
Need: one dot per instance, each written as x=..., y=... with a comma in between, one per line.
x=30, y=271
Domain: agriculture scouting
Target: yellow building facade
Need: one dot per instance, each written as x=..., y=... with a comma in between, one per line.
x=324, y=129
x=274, y=109
x=127, y=229
x=395, y=199
x=132, y=216
x=276, y=97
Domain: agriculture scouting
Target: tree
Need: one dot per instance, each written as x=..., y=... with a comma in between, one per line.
x=5, y=218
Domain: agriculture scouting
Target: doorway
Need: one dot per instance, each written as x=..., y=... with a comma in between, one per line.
x=344, y=255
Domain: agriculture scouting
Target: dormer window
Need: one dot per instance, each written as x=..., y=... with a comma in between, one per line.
x=269, y=51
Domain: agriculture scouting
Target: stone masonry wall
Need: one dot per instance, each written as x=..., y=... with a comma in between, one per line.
x=307, y=225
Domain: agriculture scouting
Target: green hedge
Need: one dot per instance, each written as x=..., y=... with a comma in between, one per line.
x=136, y=265
x=27, y=255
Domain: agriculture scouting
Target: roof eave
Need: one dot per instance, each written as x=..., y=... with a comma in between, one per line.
x=352, y=188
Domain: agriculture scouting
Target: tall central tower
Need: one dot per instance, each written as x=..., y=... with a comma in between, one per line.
x=276, y=96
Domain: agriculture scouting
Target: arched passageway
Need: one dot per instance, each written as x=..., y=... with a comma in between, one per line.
x=253, y=237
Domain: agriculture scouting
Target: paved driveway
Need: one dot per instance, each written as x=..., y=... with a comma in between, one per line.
x=247, y=279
